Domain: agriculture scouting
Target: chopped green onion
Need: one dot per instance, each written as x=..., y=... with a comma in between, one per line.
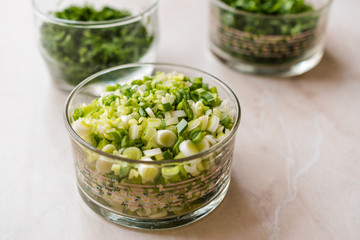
x=133, y=153
x=150, y=112
x=102, y=143
x=160, y=114
x=148, y=173
x=154, y=122
x=187, y=109
x=213, y=90
x=194, y=131
x=167, y=106
x=134, y=132
x=226, y=122
x=181, y=126
x=207, y=96
x=109, y=99
x=188, y=148
x=78, y=113
x=178, y=113
x=170, y=172
x=171, y=121
x=162, y=125
x=142, y=112
x=116, y=169
x=149, y=133
x=176, y=149
x=213, y=124
x=205, y=86
x=167, y=155
x=104, y=165
x=109, y=148
x=152, y=152
x=125, y=141
x=203, y=144
x=165, y=138
x=162, y=117
x=110, y=88
x=197, y=137
x=193, y=124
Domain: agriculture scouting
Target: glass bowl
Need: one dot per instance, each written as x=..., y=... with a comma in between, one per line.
x=167, y=202
x=74, y=50
x=282, y=45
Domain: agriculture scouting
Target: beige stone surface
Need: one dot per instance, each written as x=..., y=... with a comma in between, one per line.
x=296, y=170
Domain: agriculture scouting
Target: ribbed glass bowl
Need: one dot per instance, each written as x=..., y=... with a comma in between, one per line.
x=166, y=203
x=74, y=50
x=272, y=45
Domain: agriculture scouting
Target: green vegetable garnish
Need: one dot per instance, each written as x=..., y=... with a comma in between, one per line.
x=74, y=53
x=156, y=118
x=260, y=40
x=181, y=126
x=148, y=122
x=167, y=106
x=270, y=7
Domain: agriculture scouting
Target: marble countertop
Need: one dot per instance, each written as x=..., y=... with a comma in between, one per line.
x=296, y=169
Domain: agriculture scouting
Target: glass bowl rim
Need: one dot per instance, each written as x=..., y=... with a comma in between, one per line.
x=221, y=4
x=212, y=149
x=95, y=24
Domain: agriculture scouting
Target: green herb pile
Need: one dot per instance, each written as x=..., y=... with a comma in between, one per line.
x=74, y=53
x=253, y=38
x=270, y=7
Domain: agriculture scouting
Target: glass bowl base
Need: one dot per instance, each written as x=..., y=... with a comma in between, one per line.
x=155, y=224
x=279, y=70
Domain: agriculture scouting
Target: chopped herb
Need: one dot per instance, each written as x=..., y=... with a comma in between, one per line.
x=76, y=53
x=257, y=39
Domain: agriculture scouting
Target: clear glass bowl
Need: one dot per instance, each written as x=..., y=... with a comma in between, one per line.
x=74, y=50
x=168, y=202
x=286, y=45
